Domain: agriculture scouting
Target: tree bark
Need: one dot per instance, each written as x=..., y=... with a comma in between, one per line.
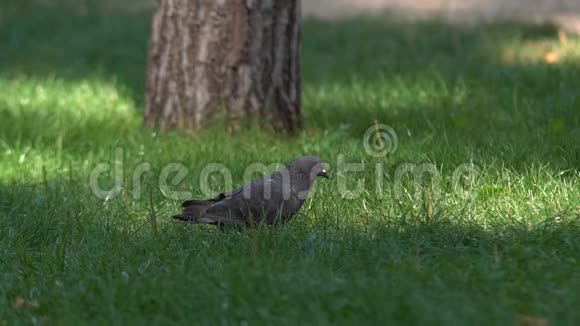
x=232, y=59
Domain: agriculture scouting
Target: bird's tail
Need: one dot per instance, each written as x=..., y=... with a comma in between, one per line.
x=194, y=210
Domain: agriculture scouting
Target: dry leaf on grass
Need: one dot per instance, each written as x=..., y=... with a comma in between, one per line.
x=18, y=303
x=526, y=320
x=551, y=57
x=21, y=303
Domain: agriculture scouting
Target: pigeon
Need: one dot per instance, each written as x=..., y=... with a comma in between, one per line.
x=273, y=199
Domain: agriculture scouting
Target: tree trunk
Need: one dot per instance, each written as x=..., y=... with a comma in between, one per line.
x=234, y=59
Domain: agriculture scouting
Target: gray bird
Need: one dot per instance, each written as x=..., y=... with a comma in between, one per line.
x=273, y=199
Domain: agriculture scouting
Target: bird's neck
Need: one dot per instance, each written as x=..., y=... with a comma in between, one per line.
x=299, y=181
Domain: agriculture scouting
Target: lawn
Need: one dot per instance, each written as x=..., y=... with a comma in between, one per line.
x=490, y=235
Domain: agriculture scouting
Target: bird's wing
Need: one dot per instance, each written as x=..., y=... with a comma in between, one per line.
x=197, y=211
x=253, y=201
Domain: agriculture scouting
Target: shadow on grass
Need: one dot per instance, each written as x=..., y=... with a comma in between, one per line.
x=62, y=234
x=75, y=40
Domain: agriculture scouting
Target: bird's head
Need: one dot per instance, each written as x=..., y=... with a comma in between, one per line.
x=309, y=165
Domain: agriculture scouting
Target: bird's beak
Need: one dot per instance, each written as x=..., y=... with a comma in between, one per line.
x=323, y=174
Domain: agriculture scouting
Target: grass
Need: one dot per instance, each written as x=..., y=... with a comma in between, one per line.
x=71, y=95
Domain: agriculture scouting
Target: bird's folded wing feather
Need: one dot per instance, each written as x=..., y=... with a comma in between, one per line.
x=257, y=199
